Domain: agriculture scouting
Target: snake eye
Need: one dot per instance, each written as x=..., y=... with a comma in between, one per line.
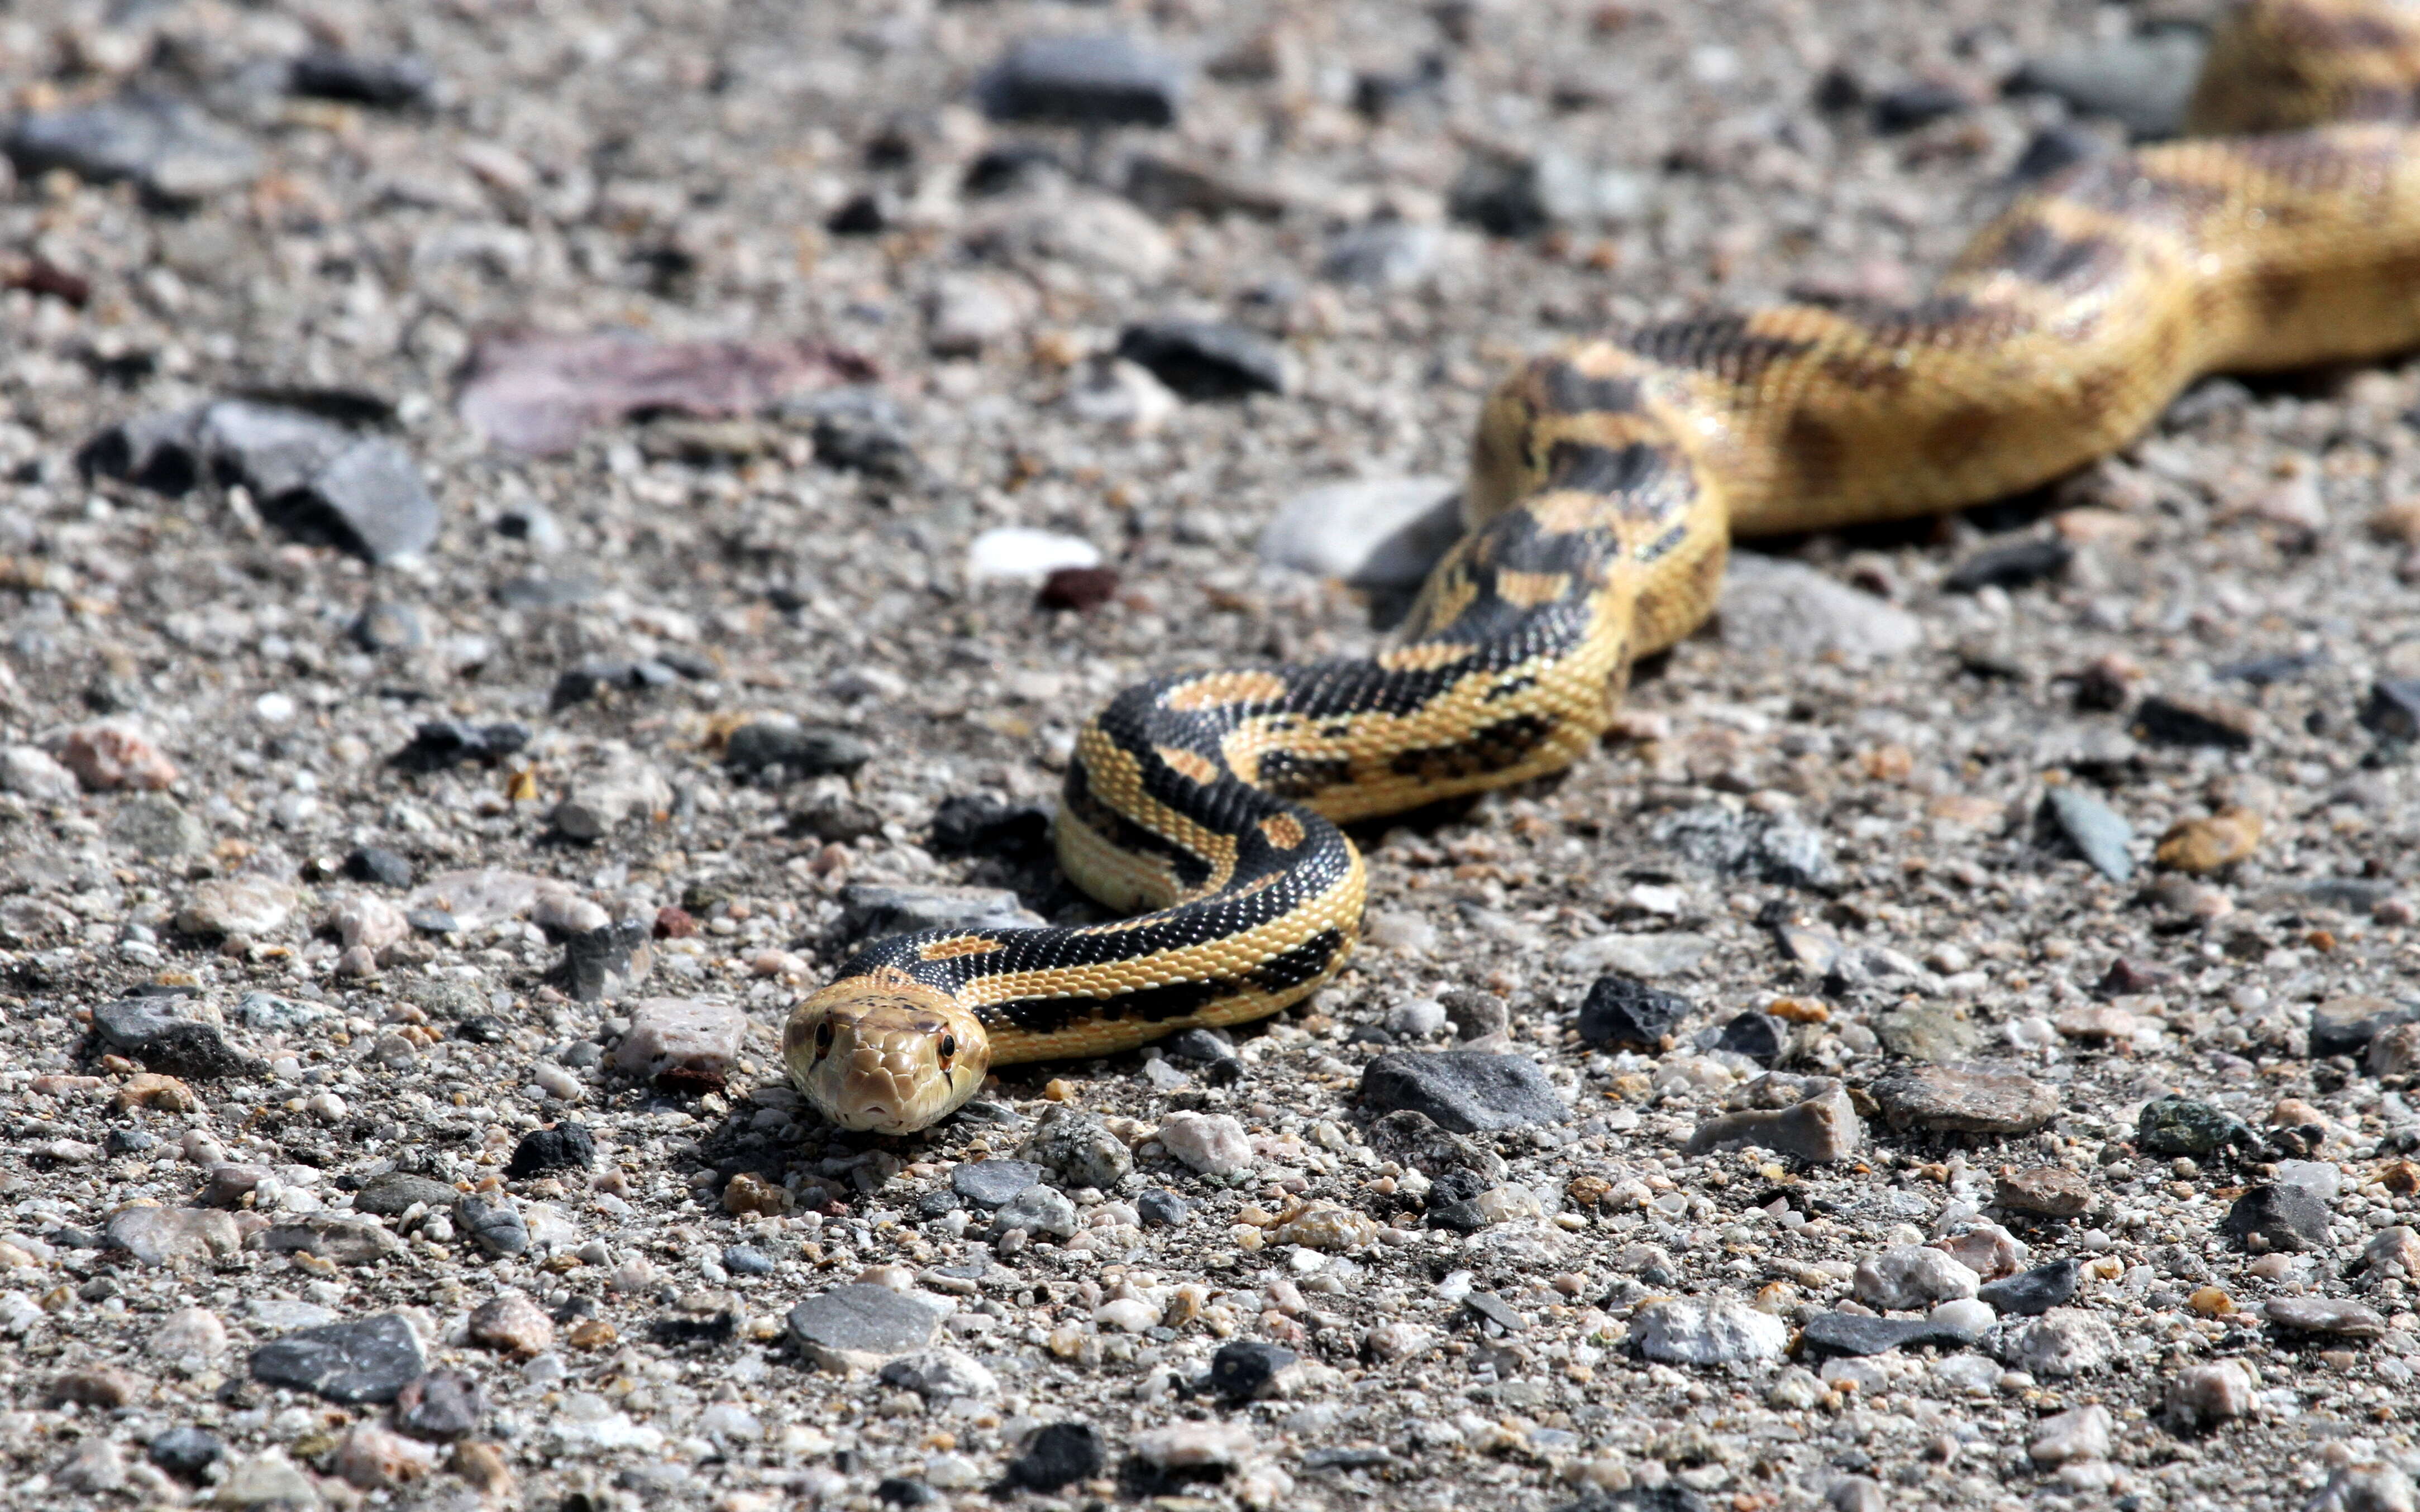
x=949, y=1047
x=823, y=1039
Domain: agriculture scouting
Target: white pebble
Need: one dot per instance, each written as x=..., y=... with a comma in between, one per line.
x=1019, y=553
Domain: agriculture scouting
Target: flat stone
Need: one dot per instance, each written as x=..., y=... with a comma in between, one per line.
x=1377, y=533
x=1947, y=1099
x=439, y=1405
x=497, y=1227
x=1038, y=1210
x=31, y=772
x=158, y=828
x=1625, y=1013
x=1697, y=1331
x=2049, y=1191
x=1077, y=1148
x=876, y=911
x=690, y=1038
x=335, y=1237
x=142, y=1028
x=2143, y=81
x=392, y=1194
x=1859, y=1334
x=1207, y=360
x=512, y=1322
x=2346, y=1026
x=1667, y=955
x=1911, y=1275
x=107, y=757
x=1927, y=1031
x=367, y=1361
x=2060, y=1343
x=2031, y=1293
x=1097, y=80
x=367, y=499
x=1818, y=1129
x=989, y=1183
x=942, y=1374
x=172, y=150
x=2277, y=1217
x=268, y=1483
x=863, y=1327
x=800, y=749
x=2078, y=1433
x=2188, y=1126
x=397, y=80
x=1747, y=846
x=2094, y=829
x=248, y=906
x=2337, y=1316
x=1464, y=1090
x=1788, y=608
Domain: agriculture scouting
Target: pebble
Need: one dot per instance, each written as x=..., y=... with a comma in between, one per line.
x=1776, y=607
x=189, y=1339
x=564, y=1146
x=2320, y=1178
x=1207, y=360
x=747, y=1259
x=942, y=1374
x=2016, y=566
x=862, y=1327
x=1019, y=553
x=990, y=1183
x=249, y=907
x=30, y=771
x=1818, y=1129
x=268, y=1483
x=2094, y=829
x=965, y=313
x=2337, y=1316
x=2187, y=1126
x=1911, y=1275
x=1945, y=1099
x=399, y=81
x=876, y=911
x=2203, y=1395
x=1196, y=1445
x=2392, y=711
x=1760, y=1037
x=2346, y=1026
x=2144, y=81
x=1038, y=1210
x=1751, y=846
x=688, y=1038
x=1464, y=1090
x=158, y=828
x=802, y=751
x=2200, y=847
x=94, y=1386
x=436, y=744
x=440, y=1406
x=1627, y=1014
x=143, y=1030
x=1639, y=955
x=1161, y=1210
x=169, y=148
x=2031, y=1293
x=1384, y=256
x=2078, y=1433
x=1060, y=1455
x=1211, y=1144
x=1112, y=392
x=2365, y=1489
x=1858, y=1335
x=1328, y=1228
x=367, y=1361
x=392, y=1194
x=2203, y=722
x=2059, y=1343
x=1086, y=80
x=334, y=1237
x=1077, y=1148
x=1244, y=1370
x=2395, y=1052
x=1911, y=106
x=497, y=1227
x=93, y=1465
x=372, y=1459
x=513, y=1322
x=2275, y=1216
x=601, y=803
x=1986, y=1249
x=1379, y=533
x=108, y=757
x=1420, y=1018
x=185, y=1450
x=1698, y=1331
x=173, y=1236
x=2049, y=1191
x=1938, y=1033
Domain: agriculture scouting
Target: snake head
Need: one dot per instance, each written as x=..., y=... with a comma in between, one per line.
x=889, y=1056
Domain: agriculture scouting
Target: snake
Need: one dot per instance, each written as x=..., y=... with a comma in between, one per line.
x=1606, y=480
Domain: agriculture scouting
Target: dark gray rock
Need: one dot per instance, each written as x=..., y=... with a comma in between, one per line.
x=979, y=825
x=2277, y=1216
x=597, y=963
x=2144, y=81
x=800, y=750
x=2206, y=723
x=2053, y=150
x=2032, y=1293
x=1207, y=360
x=1244, y=1369
x=174, y=152
x=1855, y=1334
x=1507, y=194
x=391, y=1195
x=747, y=1259
x=2393, y=710
x=566, y=1146
x=862, y=1327
x=1077, y=1148
x=1162, y=1210
x=375, y=863
x=1464, y=1090
x=1084, y=80
x=1060, y=1455
x=990, y=1183
x=1965, y=1100
x=185, y=1451
x=494, y=1226
x=1412, y=1140
x=1038, y=1210
x=439, y=743
x=876, y=911
x=440, y=1406
x=397, y=82
x=1755, y=847
x=143, y=1030
x=1760, y=1037
x=371, y=1360
x=2015, y=565
x=369, y=500
x=2188, y=1126
x=1914, y=105
x=1626, y=1013
x=2345, y=1026
x=2094, y=829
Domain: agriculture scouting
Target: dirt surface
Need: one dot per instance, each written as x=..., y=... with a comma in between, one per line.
x=360, y=954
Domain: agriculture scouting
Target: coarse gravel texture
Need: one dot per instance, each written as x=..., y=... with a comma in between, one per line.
x=367, y=982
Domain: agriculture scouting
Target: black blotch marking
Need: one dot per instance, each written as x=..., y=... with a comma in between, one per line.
x=1106, y=820
x=2033, y=251
x=1149, y=1005
x=1511, y=686
x=1490, y=748
x=1663, y=544
x=1570, y=390
x=1604, y=470
x=1718, y=343
x=1299, y=964
x=1290, y=775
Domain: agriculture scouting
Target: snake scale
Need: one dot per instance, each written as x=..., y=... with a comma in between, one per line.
x=1605, y=483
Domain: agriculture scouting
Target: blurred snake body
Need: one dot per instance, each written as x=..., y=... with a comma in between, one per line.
x=1606, y=484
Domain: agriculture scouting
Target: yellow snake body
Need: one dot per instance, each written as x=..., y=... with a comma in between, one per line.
x=1607, y=482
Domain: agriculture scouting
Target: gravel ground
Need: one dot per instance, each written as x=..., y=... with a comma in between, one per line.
x=436, y=760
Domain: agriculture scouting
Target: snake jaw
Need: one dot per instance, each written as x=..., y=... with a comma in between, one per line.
x=884, y=1056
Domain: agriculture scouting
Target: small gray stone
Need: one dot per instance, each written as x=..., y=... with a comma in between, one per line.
x=942, y=1374
x=2339, y=1316
x=873, y=911
x=1382, y=533
x=1038, y=1210
x=746, y=1259
x=1208, y=360
x=1928, y=1032
x=2276, y=1216
x=494, y=1226
x=2393, y=711
x=1791, y=609
x=143, y=1030
x=172, y=1236
x=392, y=1194
x=989, y=1183
x=173, y=151
x=1464, y=1090
x=396, y=82
x=862, y=1327
x=799, y=749
x=1818, y=1129
x=1757, y=847
x=337, y=1236
x=1105, y=80
x=368, y=1361
x=369, y=499
x=1703, y=1331
x=1961, y=1100
x=2346, y=1026
x=1384, y=255
x=1077, y=1148
x=1626, y=1013
x=158, y=828
x=1912, y=1275
x=1860, y=1333
x=2031, y=1293
x=440, y=1406
x=1420, y=1018
x=2188, y=1126
x=2062, y=1342
x=2094, y=829
x=2145, y=80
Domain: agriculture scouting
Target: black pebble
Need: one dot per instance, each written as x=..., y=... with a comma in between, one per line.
x=2053, y=149
x=1912, y=105
x=1060, y=1455
x=2031, y=1293
x=1162, y=1210
x=481, y=1029
x=130, y=1141
x=975, y=824
x=1758, y=1036
x=2010, y=566
x=1626, y=1013
x=374, y=863
x=1242, y=1370
x=895, y=1492
x=566, y=1146
x=185, y=1451
x=2282, y=1217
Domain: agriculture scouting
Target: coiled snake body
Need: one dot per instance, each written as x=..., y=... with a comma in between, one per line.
x=1606, y=484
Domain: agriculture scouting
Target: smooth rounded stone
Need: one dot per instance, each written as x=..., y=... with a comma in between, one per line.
x=144, y=1029
x=2049, y=1191
x=1386, y=256
x=2094, y=829
x=372, y=1459
x=687, y=1036
x=268, y=1483
x=29, y=772
x=440, y=1406
x=1625, y=1013
x=1422, y=1018
x=1953, y=1100
x=1086, y=80
x=189, y=1339
x=93, y=1465
x=158, y=828
x=1077, y=1148
x=1208, y=358
x=512, y=1322
x=1911, y=1275
x=1196, y=1445
x=1637, y=955
x=1038, y=1210
x=874, y=911
x=173, y=1236
x=2078, y=1433
x=1698, y=1331
x=1780, y=606
x=600, y=803
x=1474, y=1014
x=799, y=749
x=2392, y=1251
x=1779, y=849
x=2204, y=1396
x=2144, y=81
x=942, y=1374
x=2188, y=1126
x=1935, y=1033
x=2346, y=1026
x=2198, y=847
x=1337, y=1229
x=184, y=1451
x=1963, y=1316
x=1246, y=1369
x=1818, y=1129
x=990, y=1183
x=2031, y=1293
x=1162, y=1210
x=1857, y=1335
x=497, y=1227
x=2395, y=1052
x=171, y=150
x=339, y=1238
x=1211, y=1144
x=1464, y=1090
x=863, y=1327
x=1373, y=533
x=2062, y=1342
x=566, y=1147
x=2337, y=1316
x=1060, y=1455
x=367, y=1361
x=2365, y=1489
x=248, y=906
x=1019, y=553
x=746, y=1259
x=106, y=757
x=967, y=312
x=392, y=1194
